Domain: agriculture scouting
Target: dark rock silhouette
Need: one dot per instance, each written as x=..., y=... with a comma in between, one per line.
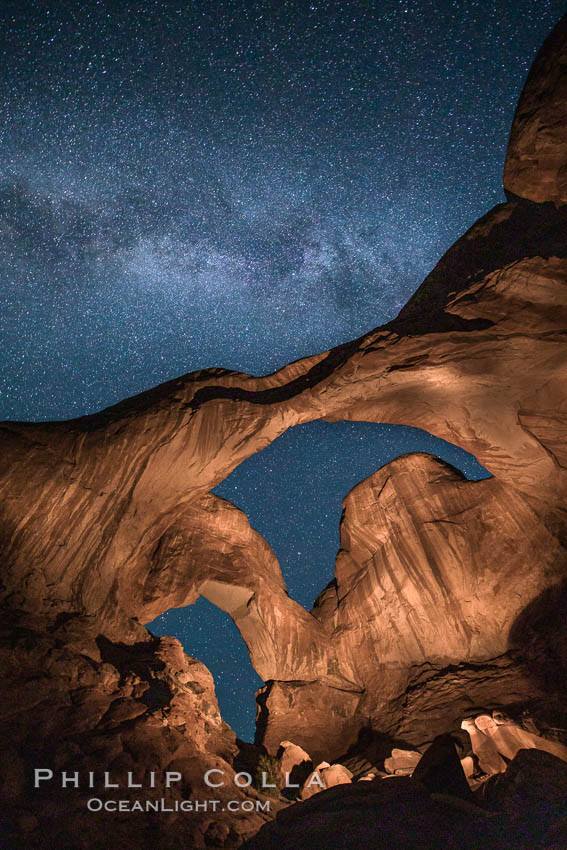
x=439, y=769
x=533, y=792
x=398, y=812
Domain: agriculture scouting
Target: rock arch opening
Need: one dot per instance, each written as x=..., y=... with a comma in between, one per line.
x=209, y=634
x=292, y=493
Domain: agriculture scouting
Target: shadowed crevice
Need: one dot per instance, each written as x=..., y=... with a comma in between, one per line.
x=507, y=234
x=538, y=635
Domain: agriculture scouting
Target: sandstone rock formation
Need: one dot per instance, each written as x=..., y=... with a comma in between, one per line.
x=509, y=738
x=536, y=162
x=447, y=596
x=74, y=701
x=325, y=776
x=533, y=792
x=488, y=758
x=295, y=764
x=522, y=808
x=402, y=762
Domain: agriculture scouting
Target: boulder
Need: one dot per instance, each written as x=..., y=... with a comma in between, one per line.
x=487, y=755
x=402, y=762
x=440, y=769
x=295, y=764
x=528, y=737
x=336, y=774
x=325, y=776
x=509, y=738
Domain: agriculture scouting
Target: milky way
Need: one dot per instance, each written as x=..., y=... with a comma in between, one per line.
x=240, y=184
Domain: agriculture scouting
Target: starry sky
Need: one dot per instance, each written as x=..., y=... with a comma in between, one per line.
x=239, y=184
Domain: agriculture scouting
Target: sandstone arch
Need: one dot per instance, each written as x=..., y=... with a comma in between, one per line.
x=96, y=514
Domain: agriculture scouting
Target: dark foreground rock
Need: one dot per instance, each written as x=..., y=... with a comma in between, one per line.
x=523, y=808
x=533, y=792
x=76, y=703
x=392, y=813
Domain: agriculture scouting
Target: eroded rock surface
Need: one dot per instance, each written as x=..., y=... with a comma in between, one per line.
x=434, y=568
x=536, y=164
x=325, y=776
x=75, y=702
x=402, y=762
x=448, y=594
x=295, y=764
x=533, y=792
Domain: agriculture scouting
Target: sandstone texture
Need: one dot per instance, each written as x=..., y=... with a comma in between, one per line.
x=74, y=701
x=325, y=776
x=402, y=761
x=533, y=792
x=294, y=763
x=536, y=164
x=448, y=595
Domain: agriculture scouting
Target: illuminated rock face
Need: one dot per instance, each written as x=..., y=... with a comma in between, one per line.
x=419, y=549
x=536, y=164
x=212, y=551
x=432, y=569
x=441, y=585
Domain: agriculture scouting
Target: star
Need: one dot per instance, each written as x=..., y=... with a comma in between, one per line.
x=187, y=185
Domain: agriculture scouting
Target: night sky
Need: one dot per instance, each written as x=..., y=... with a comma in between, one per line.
x=239, y=184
